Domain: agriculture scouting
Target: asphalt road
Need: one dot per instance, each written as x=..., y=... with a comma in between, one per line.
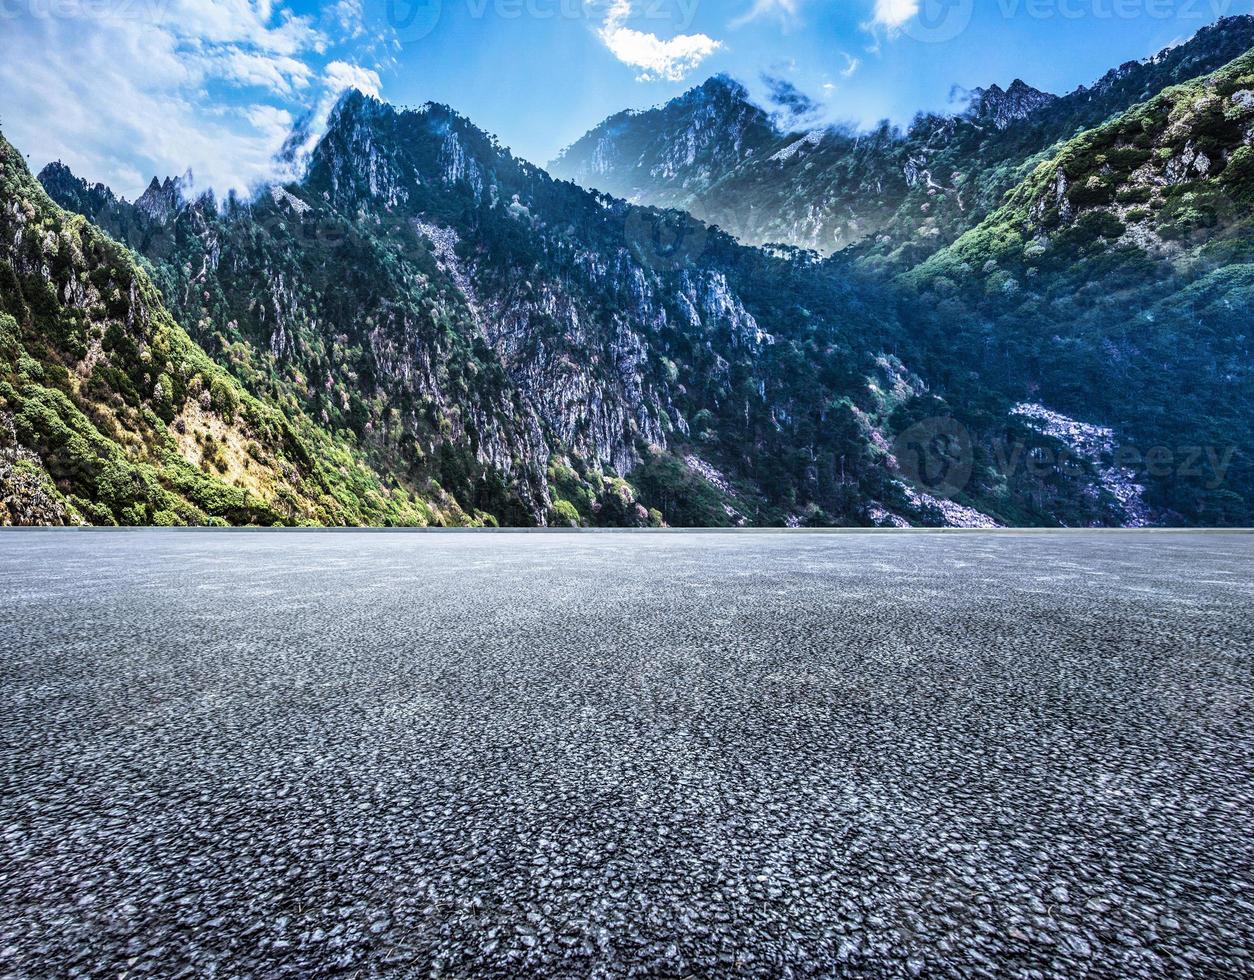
x=249, y=754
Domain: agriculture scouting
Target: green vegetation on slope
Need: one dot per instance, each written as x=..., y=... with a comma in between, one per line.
x=1116, y=279
x=116, y=416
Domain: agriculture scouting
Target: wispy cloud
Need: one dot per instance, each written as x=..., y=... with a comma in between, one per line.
x=892, y=14
x=852, y=64
x=671, y=60
x=786, y=95
x=787, y=12
x=341, y=75
x=118, y=91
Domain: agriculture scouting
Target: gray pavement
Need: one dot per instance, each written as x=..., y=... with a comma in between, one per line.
x=291, y=754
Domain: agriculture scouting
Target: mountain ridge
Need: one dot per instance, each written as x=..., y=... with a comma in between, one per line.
x=659, y=370
x=528, y=351
x=898, y=193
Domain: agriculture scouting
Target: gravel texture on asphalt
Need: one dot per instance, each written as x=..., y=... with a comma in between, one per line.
x=293, y=754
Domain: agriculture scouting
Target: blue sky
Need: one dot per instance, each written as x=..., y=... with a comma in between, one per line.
x=124, y=89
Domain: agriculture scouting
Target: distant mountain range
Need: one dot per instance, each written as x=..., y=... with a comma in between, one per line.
x=901, y=193
x=1033, y=312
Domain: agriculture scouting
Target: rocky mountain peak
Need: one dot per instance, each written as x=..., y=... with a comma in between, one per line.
x=62, y=184
x=163, y=198
x=57, y=172
x=1001, y=107
x=723, y=86
x=355, y=107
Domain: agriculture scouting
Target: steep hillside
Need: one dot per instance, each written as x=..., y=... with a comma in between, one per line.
x=983, y=164
x=1118, y=277
x=109, y=413
x=517, y=341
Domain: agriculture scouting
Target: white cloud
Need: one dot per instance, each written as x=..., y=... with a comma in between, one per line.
x=893, y=13
x=340, y=75
x=122, y=92
x=785, y=11
x=851, y=65
x=280, y=74
x=276, y=123
x=655, y=58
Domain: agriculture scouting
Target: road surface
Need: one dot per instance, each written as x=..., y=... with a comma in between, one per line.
x=292, y=754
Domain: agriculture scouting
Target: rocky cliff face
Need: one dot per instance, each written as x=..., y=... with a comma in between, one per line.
x=625, y=333
x=517, y=342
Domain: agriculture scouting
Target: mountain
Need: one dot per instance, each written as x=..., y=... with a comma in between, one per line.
x=545, y=354
x=1001, y=108
x=514, y=341
x=495, y=345
x=897, y=194
x=1119, y=275
x=110, y=413
x=670, y=156
x=714, y=153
